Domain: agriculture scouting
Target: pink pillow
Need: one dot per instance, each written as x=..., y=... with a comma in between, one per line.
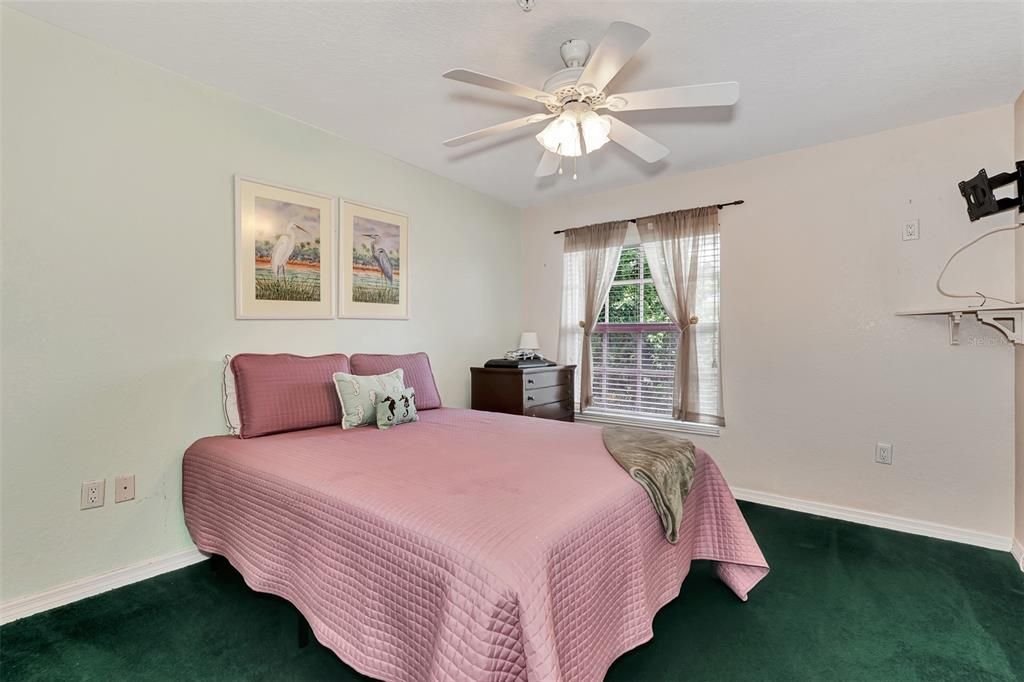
x=416, y=367
x=286, y=392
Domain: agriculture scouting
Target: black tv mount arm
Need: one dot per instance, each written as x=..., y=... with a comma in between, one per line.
x=981, y=201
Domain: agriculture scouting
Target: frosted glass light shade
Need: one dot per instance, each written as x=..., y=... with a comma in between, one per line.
x=561, y=136
x=595, y=130
x=529, y=341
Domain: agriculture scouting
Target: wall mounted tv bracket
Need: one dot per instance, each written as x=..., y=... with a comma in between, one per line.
x=979, y=193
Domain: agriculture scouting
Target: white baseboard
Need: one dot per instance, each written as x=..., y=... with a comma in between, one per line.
x=888, y=521
x=87, y=587
x=1018, y=552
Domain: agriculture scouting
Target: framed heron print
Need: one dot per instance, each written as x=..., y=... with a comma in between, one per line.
x=284, y=252
x=374, y=280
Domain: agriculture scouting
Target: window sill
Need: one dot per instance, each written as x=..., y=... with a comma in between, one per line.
x=648, y=422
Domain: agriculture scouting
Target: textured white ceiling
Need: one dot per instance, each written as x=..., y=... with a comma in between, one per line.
x=809, y=72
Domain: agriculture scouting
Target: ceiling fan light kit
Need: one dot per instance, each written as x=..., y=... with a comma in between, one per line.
x=574, y=95
x=576, y=131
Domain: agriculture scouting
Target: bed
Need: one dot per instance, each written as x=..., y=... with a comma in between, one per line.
x=466, y=546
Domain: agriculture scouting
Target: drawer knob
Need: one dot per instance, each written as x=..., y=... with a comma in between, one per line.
x=529, y=381
x=530, y=398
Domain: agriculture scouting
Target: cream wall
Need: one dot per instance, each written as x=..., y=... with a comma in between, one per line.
x=118, y=280
x=1018, y=154
x=816, y=366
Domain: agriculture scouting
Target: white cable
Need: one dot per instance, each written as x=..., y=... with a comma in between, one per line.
x=976, y=294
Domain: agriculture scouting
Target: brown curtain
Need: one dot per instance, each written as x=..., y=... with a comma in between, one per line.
x=592, y=256
x=677, y=246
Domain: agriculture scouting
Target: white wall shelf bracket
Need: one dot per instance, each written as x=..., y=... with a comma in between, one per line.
x=954, y=328
x=1009, y=322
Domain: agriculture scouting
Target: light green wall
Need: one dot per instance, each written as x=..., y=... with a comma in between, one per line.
x=118, y=280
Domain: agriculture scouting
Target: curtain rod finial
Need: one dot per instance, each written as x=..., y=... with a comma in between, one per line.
x=731, y=203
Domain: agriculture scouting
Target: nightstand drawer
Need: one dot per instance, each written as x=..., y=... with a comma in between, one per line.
x=556, y=377
x=562, y=410
x=543, y=392
x=553, y=394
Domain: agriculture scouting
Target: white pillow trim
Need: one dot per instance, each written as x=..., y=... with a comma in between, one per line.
x=229, y=396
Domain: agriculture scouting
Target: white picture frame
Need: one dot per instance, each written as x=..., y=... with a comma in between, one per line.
x=373, y=263
x=284, y=252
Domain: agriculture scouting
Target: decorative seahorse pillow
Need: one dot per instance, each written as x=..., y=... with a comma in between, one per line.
x=397, y=408
x=359, y=395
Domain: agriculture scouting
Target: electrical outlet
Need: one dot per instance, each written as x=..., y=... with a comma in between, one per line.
x=124, y=488
x=883, y=453
x=92, y=494
x=911, y=230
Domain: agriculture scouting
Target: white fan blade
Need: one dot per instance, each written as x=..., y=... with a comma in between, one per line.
x=617, y=47
x=485, y=81
x=636, y=142
x=548, y=164
x=500, y=128
x=709, y=95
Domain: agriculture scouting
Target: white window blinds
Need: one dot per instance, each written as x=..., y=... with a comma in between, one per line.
x=634, y=343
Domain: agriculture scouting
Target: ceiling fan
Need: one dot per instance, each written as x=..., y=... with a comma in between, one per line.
x=574, y=95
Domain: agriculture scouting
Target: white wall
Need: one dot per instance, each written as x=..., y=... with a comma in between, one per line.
x=816, y=366
x=118, y=275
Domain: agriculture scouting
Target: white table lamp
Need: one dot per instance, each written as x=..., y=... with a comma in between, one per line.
x=528, y=341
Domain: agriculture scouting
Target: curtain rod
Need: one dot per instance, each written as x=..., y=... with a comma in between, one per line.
x=633, y=220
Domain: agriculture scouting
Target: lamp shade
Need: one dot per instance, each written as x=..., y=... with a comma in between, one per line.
x=528, y=341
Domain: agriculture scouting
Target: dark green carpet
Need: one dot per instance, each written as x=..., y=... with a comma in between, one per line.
x=843, y=602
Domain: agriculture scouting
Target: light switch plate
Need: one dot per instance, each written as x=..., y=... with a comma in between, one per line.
x=124, y=488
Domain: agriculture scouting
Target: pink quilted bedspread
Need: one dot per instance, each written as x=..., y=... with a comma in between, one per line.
x=467, y=546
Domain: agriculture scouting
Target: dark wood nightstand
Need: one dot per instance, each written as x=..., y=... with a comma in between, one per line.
x=545, y=392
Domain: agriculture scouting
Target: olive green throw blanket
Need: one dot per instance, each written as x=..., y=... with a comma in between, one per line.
x=662, y=463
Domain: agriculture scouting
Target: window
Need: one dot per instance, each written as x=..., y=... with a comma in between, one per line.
x=634, y=344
